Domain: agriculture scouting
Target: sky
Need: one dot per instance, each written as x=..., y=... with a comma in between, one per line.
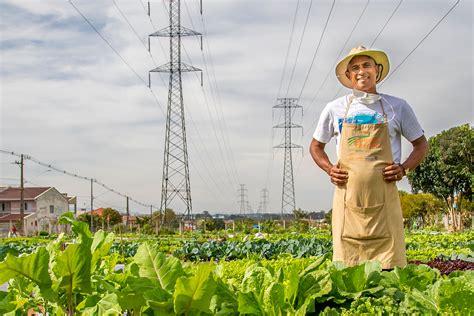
x=79, y=101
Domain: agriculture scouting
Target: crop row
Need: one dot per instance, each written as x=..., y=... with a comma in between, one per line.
x=82, y=279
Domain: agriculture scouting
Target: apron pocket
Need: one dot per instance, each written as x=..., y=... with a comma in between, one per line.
x=365, y=223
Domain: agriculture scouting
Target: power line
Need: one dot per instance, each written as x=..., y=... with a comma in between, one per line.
x=385, y=24
x=341, y=51
x=107, y=42
x=299, y=49
x=421, y=41
x=75, y=175
x=317, y=49
x=288, y=49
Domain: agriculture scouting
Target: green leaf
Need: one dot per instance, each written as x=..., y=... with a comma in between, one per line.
x=155, y=265
x=274, y=298
x=315, y=265
x=456, y=295
x=224, y=299
x=314, y=284
x=292, y=284
x=418, y=303
x=100, y=247
x=195, y=293
x=160, y=301
x=34, y=267
x=6, y=304
x=108, y=305
x=73, y=269
x=80, y=229
x=250, y=304
x=352, y=281
x=256, y=279
x=410, y=277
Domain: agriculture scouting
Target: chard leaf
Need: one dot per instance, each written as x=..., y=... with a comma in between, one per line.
x=34, y=267
x=155, y=265
x=80, y=229
x=6, y=304
x=250, y=304
x=194, y=293
x=108, y=305
x=160, y=301
x=73, y=269
x=100, y=247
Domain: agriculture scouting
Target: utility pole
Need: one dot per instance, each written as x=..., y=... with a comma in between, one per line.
x=22, y=189
x=288, y=203
x=175, y=181
x=242, y=195
x=92, y=205
x=128, y=214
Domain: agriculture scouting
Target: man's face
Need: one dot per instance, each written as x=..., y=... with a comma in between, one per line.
x=362, y=71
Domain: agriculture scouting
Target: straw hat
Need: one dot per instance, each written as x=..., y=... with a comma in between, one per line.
x=380, y=58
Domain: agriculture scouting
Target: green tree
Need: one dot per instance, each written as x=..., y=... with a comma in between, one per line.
x=424, y=207
x=447, y=169
x=111, y=217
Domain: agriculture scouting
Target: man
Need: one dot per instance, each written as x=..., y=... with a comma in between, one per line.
x=367, y=221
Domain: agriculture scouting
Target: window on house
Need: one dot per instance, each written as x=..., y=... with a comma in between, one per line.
x=51, y=209
x=26, y=206
x=4, y=207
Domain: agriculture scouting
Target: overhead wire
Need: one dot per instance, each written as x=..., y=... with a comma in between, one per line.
x=317, y=49
x=227, y=157
x=299, y=48
x=271, y=155
x=116, y=52
x=340, y=53
x=421, y=41
x=225, y=129
x=210, y=116
x=416, y=46
x=75, y=175
x=108, y=43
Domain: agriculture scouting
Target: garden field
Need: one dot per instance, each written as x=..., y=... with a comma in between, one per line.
x=229, y=274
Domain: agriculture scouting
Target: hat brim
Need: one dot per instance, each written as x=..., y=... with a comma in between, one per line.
x=380, y=58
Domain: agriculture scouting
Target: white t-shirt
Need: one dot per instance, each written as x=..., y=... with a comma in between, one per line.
x=400, y=116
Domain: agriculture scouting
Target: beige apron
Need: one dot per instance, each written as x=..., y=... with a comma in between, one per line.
x=367, y=221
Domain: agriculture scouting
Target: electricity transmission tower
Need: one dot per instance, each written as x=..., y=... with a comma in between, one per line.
x=264, y=200
x=243, y=199
x=288, y=203
x=175, y=181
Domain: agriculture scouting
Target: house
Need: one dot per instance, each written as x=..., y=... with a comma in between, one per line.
x=42, y=208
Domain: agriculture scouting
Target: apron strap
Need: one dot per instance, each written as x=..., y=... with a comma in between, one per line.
x=349, y=102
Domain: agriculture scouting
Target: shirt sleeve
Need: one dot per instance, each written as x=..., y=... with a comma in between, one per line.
x=325, y=128
x=410, y=128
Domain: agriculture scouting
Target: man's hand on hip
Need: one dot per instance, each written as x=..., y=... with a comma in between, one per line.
x=393, y=172
x=338, y=176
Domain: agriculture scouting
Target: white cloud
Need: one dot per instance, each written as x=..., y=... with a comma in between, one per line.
x=68, y=99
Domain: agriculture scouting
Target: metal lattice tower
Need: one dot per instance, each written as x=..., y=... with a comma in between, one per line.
x=243, y=199
x=288, y=203
x=175, y=181
x=264, y=200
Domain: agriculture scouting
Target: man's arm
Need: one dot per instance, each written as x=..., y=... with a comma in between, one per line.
x=396, y=172
x=338, y=176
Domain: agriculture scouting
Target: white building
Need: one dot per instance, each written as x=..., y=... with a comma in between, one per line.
x=42, y=208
